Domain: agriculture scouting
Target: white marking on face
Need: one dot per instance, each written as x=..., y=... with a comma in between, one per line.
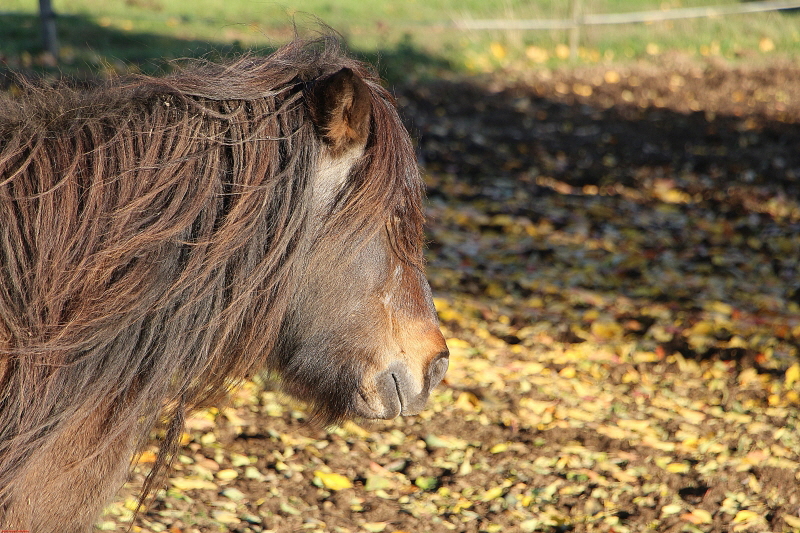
x=332, y=175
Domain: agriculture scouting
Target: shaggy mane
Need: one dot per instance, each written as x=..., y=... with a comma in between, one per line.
x=149, y=232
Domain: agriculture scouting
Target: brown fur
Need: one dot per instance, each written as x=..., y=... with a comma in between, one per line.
x=154, y=235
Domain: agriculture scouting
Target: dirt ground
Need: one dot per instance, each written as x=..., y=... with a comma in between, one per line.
x=614, y=254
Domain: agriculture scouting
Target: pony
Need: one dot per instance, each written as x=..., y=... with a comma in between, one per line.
x=162, y=239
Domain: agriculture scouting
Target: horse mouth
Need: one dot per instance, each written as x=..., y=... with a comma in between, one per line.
x=397, y=392
x=385, y=405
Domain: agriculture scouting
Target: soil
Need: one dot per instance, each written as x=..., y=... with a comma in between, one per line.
x=614, y=254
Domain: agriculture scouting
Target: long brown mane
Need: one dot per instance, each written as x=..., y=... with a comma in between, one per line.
x=149, y=236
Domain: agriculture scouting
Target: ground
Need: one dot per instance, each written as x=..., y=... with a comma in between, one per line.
x=614, y=254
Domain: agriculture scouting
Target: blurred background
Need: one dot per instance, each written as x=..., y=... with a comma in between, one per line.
x=613, y=223
x=411, y=37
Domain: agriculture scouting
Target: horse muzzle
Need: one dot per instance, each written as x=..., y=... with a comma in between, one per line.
x=395, y=391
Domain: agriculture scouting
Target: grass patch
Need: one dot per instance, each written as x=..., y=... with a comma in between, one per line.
x=411, y=38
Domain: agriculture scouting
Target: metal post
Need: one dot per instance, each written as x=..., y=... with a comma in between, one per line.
x=48, y=20
x=575, y=30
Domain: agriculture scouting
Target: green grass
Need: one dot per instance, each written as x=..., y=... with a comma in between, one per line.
x=404, y=37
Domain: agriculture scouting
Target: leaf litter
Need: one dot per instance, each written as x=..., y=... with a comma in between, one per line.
x=614, y=256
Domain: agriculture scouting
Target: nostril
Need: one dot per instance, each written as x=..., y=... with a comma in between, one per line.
x=437, y=369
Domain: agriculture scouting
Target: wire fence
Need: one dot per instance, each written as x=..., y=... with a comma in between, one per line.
x=579, y=19
x=633, y=17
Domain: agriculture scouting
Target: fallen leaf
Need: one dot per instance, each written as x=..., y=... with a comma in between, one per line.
x=746, y=516
x=227, y=474
x=182, y=483
x=225, y=517
x=332, y=481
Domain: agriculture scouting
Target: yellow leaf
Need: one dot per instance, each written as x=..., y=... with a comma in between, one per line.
x=567, y=372
x=333, y=481
x=499, y=448
x=182, y=483
x=581, y=89
x=624, y=477
x=225, y=517
x=374, y=527
x=737, y=342
x=579, y=414
x=695, y=417
x=612, y=432
x=792, y=521
x=774, y=399
x=538, y=303
x=698, y=516
x=131, y=504
x=671, y=509
x=227, y=474
x=147, y=457
x=355, y=429
x=491, y=494
x=646, y=357
x=495, y=290
x=611, y=76
x=498, y=50
x=467, y=401
x=446, y=441
x=607, y=330
x=641, y=426
x=702, y=327
x=458, y=343
x=674, y=196
x=765, y=44
x=441, y=303
x=536, y=54
x=745, y=516
x=562, y=51
x=792, y=375
x=234, y=418
x=238, y=459
x=448, y=315
x=537, y=406
x=721, y=307
x=653, y=442
x=677, y=468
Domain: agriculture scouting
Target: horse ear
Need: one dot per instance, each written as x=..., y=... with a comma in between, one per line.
x=341, y=109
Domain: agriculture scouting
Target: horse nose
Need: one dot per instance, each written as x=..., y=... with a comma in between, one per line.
x=398, y=392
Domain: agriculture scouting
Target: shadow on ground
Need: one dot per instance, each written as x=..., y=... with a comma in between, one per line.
x=89, y=50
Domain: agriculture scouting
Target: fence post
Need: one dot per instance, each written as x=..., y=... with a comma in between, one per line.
x=48, y=20
x=575, y=30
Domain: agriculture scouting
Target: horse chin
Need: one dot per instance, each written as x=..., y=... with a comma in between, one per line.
x=383, y=411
